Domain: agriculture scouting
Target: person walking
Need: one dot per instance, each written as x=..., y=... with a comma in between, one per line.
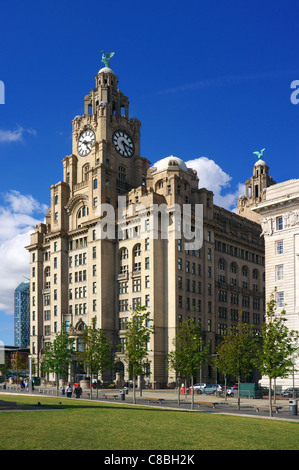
x=78, y=391
x=69, y=391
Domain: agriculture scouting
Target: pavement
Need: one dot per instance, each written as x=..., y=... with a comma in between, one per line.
x=168, y=399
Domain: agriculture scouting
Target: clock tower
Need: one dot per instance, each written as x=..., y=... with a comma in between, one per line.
x=106, y=143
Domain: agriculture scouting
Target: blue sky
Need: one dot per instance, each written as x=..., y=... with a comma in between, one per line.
x=206, y=79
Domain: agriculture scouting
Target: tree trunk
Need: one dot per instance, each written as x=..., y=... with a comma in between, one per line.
x=239, y=401
x=192, y=394
x=57, y=385
x=134, y=392
x=270, y=397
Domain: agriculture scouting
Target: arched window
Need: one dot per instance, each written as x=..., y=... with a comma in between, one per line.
x=137, y=257
x=47, y=271
x=85, y=172
x=123, y=264
x=221, y=264
x=255, y=275
x=137, y=250
x=124, y=254
x=244, y=271
x=233, y=268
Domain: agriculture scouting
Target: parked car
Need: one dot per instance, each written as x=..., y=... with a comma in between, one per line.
x=288, y=392
x=198, y=388
x=231, y=388
x=232, y=391
x=209, y=389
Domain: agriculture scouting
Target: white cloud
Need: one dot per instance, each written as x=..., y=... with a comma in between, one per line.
x=212, y=177
x=16, y=135
x=23, y=204
x=18, y=217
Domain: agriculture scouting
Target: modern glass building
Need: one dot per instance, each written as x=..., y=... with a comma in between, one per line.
x=22, y=315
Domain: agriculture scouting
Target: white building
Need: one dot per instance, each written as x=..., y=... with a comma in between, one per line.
x=279, y=213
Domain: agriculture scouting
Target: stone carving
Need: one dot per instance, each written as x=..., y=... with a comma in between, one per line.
x=267, y=226
x=290, y=219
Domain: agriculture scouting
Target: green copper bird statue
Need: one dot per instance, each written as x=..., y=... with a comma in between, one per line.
x=106, y=57
x=259, y=154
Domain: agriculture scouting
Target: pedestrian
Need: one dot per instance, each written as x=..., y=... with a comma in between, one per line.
x=26, y=385
x=22, y=386
x=69, y=391
x=78, y=391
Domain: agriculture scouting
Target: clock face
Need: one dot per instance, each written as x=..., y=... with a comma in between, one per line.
x=86, y=140
x=123, y=143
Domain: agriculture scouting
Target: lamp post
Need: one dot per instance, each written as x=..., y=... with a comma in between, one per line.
x=30, y=374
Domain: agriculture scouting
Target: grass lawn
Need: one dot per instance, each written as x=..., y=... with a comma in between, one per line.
x=84, y=425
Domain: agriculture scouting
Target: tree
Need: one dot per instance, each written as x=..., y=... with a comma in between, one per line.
x=97, y=351
x=137, y=336
x=237, y=353
x=279, y=345
x=57, y=356
x=189, y=352
x=19, y=363
x=221, y=363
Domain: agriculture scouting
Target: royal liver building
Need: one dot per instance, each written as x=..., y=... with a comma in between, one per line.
x=87, y=260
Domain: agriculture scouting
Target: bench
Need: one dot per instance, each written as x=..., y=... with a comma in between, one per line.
x=110, y=396
x=264, y=407
x=157, y=400
x=208, y=403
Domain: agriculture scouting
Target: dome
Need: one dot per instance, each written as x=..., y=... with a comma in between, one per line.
x=106, y=70
x=260, y=162
x=170, y=161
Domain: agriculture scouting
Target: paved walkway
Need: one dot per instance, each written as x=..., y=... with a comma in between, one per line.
x=168, y=399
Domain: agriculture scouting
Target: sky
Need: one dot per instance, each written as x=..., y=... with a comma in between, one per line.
x=209, y=81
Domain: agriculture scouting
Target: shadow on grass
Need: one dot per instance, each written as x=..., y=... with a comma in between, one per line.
x=40, y=404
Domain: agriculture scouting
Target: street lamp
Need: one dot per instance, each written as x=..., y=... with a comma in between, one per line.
x=30, y=374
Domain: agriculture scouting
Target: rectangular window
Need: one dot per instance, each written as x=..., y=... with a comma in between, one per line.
x=136, y=302
x=136, y=285
x=279, y=247
x=279, y=223
x=280, y=299
x=279, y=272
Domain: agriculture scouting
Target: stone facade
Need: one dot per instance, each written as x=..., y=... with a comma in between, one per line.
x=279, y=213
x=77, y=275
x=255, y=188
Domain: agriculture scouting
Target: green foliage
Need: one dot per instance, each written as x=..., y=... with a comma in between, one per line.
x=97, y=350
x=189, y=352
x=279, y=343
x=137, y=337
x=237, y=353
x=57, y=355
